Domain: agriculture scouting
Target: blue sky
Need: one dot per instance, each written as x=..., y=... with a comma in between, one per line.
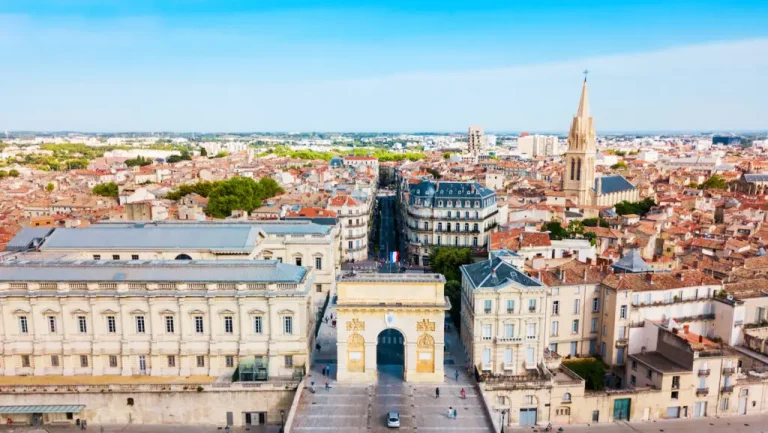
x=200, y=65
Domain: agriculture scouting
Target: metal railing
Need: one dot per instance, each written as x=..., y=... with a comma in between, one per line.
x=702, y=391
x=728, y=371
x=727, y=389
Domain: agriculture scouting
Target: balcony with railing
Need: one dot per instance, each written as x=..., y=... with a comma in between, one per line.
x=355, y=249
x=510, y=339
x=622, y=342
x=673, y=300
x=702, y=391
x=704, y=372
x=727, y=389
x=729, y=371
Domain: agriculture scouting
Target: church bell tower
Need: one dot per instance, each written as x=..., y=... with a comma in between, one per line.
x=579, y=178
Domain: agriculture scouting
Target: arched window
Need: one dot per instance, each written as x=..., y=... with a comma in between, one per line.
x=183, y=257
x=567, y=396
x=573, y=167
x=578, y=171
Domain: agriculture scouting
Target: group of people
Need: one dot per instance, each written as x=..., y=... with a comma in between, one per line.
x=452, y=413
x=463, y=393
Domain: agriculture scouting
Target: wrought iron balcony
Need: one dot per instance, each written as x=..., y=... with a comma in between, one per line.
x=704, y=372
x=728, y=371
x=727, y=389
x=702, y=391
x=622, y=342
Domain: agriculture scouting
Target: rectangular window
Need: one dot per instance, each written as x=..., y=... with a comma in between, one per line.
x=622, y=332
x=636, y=299
x=23, y=325
x=510, y=306
x=634, y=365
x=200, y=361
x=199, y=327
x=623, y=312
x=134, y=257
x=632, y=380
x=140, y=325
x=532, y=330
x=487, y=332
x=555, y=325
x=724, y=404
x=171, y=361
x=257, y=325
x=593, y=325
x=595, y=305
x=111, y=324
x=169, y=324
x=576, y=306
x=702, y=382
x=115, y=256
x=97, y=257
x=650, y=374
x=508, y=356
x=556, y=308
x=675, y=382
x=532, y=305
x=113, y=361
x=82, y=325
x=229, y=361
x=289, y=361
x=25, y=361
x=52, y=324
x=509, y=330
x=575, y=327
x=229, y=326
x=83, y=361
x=605, y=330
x=647, y=298
x=288, y=325
x=530, y=357
x=319, y=288
x=318, y=263
x=487, y=306
x=54, y=360
x=298, y=261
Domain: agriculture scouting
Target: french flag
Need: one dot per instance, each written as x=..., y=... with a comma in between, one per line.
x=394, y=256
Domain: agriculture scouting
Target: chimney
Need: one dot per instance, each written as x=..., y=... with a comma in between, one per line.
x=701, y=339
x=649, y=277
x=680, y=276
x=685, y=329
x=585, y=275
x=589, y=260
x=561, y=275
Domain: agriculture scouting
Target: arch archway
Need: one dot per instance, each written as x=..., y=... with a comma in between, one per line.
x=390, y=353
x=183, y=257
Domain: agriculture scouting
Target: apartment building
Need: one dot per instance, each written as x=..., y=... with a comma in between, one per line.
x=155, y=317
x=301, y=243
x=503, y=318
x=461, y=214
x=354, y=216
x=474, y=140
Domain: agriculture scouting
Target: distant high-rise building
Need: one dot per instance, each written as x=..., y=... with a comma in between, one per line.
x=539, y=145
x=474, y=139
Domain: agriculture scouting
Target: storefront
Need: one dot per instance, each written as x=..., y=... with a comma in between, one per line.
x=37, y=415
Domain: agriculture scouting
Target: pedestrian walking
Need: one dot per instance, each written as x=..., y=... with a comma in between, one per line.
x=450, y=412
x=463, y=394
x=83, y=425
x=457, y=375
x=327, y=370
x=455, y=414
x=327, y=387
x=437, y=392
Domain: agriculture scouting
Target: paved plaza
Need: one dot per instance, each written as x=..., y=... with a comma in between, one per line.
x=357, y=408
x=735, y=424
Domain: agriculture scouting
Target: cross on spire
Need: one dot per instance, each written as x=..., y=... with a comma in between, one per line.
x=586, y=71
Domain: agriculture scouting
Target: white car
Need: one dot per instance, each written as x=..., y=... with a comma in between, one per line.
x=393, y=420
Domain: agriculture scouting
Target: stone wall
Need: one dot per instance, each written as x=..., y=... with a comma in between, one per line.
x=178, y=405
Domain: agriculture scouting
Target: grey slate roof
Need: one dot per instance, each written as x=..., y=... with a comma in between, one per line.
x=632, y=263
x=28, y=238
x=756, y=177
x=269, y=227
x=442, y=189
x=130, y=237
x=481, y=275
x=245, y=271
x=615, y=183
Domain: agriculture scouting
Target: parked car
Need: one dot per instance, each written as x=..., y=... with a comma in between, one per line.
x=393, y=420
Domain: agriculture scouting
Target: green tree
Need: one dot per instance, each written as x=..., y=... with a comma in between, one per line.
x=238, y=193
x=221, y=154
x=592, y=222
x=106, y=189
x=49, y=187
x=447, y=261
x=714, y=182
x=201, y=188
x=3, y=174
x=621, y=165
x=589, y=369
x=76, y=164
x=138, y=161
x=173, y=159
x=635, y=208
x=436, y=174
x=203, y=152
x=693, y=185
x=447, y=155
x=453, y=292
x=556, y=231
x=14, y=173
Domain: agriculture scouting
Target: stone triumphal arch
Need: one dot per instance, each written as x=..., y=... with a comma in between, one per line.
x=369, y=304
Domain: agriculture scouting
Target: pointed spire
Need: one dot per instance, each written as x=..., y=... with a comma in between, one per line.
x=584, y=102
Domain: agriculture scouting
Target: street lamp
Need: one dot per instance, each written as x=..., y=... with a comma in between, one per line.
x=503, y=419
x=282, y=420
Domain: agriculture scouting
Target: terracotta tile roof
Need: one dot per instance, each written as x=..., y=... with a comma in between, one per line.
x=573, y=272
x=661, y=281
x=605, y=232
x=517, y=238
x=711, y=244
x=312, y=212
x=343, y=200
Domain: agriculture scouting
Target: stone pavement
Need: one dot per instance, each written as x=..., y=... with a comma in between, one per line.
x=347, y=408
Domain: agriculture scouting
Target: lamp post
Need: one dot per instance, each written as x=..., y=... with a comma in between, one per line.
x=503, y=419
x=282, y=420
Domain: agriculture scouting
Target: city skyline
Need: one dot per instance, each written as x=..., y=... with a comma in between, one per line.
x=321, y=66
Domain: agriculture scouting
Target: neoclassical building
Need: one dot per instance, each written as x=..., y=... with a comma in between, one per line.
x=404, y=310
x=459, y=214
x=301, y=243
x=154, y=317
x=579, y=179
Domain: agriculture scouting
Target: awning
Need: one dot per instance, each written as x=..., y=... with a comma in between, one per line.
x=42, y=408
